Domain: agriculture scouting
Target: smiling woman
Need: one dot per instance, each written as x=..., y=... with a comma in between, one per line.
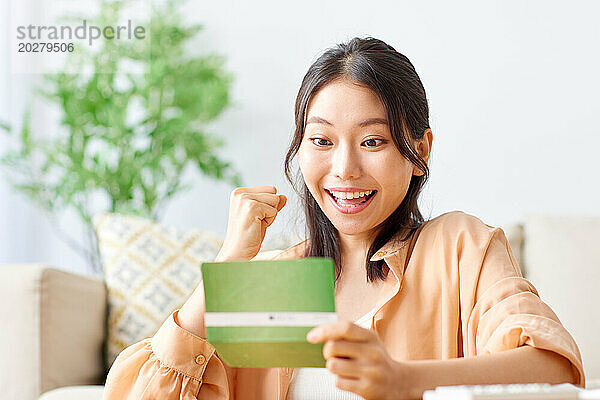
x=420, y=303
x=366, y=109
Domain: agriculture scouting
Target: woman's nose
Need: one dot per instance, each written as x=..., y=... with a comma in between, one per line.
x=345, y=164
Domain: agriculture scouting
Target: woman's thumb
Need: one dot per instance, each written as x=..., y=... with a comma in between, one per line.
x=282, y=202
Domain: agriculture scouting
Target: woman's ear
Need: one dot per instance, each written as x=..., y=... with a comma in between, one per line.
x=423, y=148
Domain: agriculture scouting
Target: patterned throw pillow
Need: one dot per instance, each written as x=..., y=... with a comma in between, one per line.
x=150, y=271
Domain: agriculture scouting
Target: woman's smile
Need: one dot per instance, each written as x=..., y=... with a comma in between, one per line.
x=351, y=202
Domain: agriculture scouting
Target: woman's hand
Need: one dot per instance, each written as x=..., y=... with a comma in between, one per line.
x=360, y=361
x=251, y=211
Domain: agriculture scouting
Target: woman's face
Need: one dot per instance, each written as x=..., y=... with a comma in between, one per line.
x=348, y=159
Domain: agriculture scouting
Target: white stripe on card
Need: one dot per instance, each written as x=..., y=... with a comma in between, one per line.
x=269, y=318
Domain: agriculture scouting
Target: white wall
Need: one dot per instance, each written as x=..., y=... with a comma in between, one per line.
x=513, y=89
x=19, y=221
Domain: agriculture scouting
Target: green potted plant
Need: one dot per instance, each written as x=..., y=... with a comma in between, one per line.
x=100, y=151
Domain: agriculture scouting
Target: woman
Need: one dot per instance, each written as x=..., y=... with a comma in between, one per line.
x=425, y=297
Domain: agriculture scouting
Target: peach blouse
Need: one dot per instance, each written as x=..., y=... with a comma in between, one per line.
x=454, y=290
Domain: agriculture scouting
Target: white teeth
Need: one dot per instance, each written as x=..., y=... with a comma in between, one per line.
x=350, y=195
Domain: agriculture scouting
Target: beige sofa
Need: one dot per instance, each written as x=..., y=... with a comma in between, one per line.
x=53, y=322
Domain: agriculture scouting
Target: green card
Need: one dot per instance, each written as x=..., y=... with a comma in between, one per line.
x=259, y=312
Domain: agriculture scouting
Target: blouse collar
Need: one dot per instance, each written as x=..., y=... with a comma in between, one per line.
x=392, y=252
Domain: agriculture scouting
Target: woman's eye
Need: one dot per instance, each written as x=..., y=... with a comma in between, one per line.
x=320, y=141
x=372, y=142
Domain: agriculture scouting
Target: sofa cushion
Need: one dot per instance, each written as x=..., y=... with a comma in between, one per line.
x=52, y=330
x=514, y=234
x=150, y=271
x=74, y=393
x=562, y=259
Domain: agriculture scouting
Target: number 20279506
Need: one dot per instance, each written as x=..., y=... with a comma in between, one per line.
x=42, y=47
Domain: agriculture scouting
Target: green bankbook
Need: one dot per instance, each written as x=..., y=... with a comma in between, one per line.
x=259, y=312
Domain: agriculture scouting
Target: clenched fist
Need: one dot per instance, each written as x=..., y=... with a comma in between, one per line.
x=251, y=211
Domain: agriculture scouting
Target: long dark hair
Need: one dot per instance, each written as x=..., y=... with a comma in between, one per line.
x=378, y=66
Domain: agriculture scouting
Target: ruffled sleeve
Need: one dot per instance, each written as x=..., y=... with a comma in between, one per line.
x=502, y=310
x=173, y=364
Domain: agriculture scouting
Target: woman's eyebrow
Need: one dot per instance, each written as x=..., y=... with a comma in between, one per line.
x=366, y=122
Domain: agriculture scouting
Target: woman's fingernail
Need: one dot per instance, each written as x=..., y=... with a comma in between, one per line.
x=312, y=335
